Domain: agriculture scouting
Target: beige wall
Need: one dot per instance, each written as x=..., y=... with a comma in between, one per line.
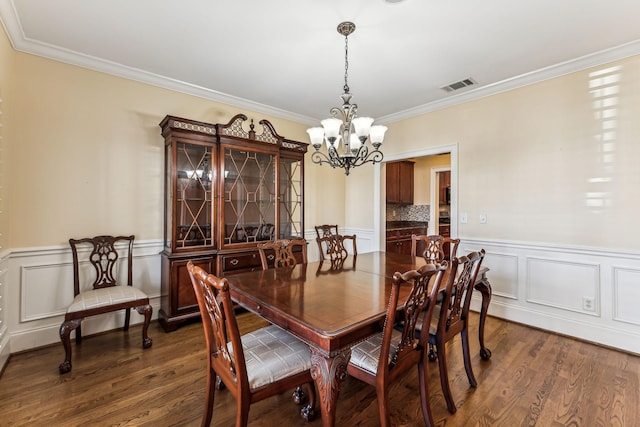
x=88, y=154
x=422, y=176
x=546, y=163
x=86, y=157
x=6, y=71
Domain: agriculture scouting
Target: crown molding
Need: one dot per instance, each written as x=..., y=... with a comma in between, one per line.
x=574, y=65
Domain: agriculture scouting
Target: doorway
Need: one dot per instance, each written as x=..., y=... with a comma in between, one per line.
x=380, y=190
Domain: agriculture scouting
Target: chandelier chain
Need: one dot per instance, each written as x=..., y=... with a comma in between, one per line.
x=346, y=63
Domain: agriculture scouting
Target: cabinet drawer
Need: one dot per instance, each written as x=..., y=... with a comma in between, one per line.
x=240, y=261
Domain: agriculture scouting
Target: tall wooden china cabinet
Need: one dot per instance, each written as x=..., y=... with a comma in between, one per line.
x=226, y=190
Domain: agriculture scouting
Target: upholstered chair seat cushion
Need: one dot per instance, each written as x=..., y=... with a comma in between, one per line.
x=271, y=354
x=96, y=298
x=366, y=354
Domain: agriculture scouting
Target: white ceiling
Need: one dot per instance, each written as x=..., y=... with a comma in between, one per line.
x=285, y=57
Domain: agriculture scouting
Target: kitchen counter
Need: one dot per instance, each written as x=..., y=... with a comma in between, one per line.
x=402, y=225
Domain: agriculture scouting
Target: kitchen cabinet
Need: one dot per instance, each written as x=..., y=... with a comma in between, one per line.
x=398, y=236
x=399, y=182
x=226, y=190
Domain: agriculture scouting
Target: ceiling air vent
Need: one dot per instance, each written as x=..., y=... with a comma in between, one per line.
x=459, y=85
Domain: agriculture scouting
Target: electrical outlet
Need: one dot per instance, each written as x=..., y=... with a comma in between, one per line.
x=483, y=218
x=588, y=304
x=463, y=218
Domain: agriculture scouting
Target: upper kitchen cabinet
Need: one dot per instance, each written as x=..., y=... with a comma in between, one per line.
x=400, y=182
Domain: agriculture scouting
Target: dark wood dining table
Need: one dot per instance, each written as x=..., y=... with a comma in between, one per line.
x=332, y=307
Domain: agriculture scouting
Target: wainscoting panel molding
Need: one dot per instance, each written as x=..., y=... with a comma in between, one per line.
x=503, y=269
x=563, y=284
x=626, y=295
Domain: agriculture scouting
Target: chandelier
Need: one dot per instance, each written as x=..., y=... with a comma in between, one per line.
x=344, y=132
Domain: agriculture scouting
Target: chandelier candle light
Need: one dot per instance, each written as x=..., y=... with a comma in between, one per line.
x=345, y=133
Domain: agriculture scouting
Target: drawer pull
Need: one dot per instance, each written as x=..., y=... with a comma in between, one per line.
x=259, y=307
x=234, y=261
x=271, y=257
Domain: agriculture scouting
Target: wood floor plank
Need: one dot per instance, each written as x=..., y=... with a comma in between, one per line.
x=534, y=378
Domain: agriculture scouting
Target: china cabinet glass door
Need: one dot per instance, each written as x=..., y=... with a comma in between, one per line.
x=249, y=196
x=193, y=196
x=290, y=187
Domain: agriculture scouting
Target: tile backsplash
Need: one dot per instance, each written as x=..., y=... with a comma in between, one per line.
x=407, y=212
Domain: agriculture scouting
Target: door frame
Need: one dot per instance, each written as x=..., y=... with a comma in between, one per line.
x=379, y=190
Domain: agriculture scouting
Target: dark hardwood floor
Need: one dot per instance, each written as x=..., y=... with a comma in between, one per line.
x=534, y=378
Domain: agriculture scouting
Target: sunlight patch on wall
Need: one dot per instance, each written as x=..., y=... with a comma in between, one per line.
x=604, y=87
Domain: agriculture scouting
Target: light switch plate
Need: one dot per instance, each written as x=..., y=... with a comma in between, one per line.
x=463, y=218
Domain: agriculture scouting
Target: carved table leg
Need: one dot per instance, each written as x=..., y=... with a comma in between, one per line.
x=328, y=373
x=485, y=289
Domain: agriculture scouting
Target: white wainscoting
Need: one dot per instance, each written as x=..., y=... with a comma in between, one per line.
x=588, y=294
x=40, y=287
x=5, y=349
x=542, y=286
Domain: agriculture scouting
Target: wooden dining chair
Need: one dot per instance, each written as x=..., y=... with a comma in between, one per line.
x=451, y=317
x=331, y=242
x=97, y=290
x=254, y=366
x=384, y=357
x=436, y=248
x=283, y=253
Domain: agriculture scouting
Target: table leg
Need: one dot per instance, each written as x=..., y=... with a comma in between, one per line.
x=328, y=373
x=484, y=287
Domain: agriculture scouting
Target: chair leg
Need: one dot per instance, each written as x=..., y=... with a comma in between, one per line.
x=298, y=396
x=424, y=394
x=242, y=413
x=65, y=337
x=308, y=412
x=145, y=310
x=444, y=377
x=383, y=406
x=210, y=394
x=467, y=358
x=127, y=319
x=432, y=354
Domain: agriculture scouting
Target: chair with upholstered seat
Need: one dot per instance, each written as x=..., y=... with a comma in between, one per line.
x=331, y=242
x=283, y=252
x=436, y=248
x=384, y=357
x=254, y=366
x=451, y=316
x=105, y=294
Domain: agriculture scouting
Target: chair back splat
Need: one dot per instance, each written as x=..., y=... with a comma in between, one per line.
x=280, y=253
x=436, y=248
x=104, y=294
x=254, y=366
